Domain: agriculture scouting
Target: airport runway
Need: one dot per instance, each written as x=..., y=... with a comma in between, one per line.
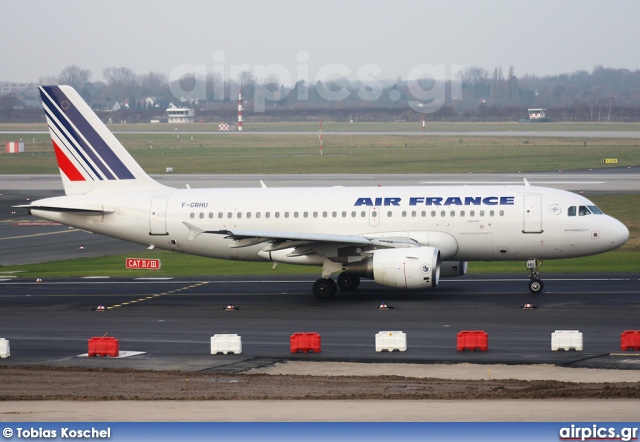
x=172, y=321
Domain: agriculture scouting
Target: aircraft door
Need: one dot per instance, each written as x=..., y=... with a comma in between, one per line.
x=374, y=216
x=158, y=216
x=532, y=213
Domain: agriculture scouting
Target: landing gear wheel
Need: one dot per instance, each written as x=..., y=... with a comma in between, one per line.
x=348, y=283
x=536, y=286
x=324, y=288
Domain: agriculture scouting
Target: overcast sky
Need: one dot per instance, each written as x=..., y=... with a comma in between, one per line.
x=540, y=37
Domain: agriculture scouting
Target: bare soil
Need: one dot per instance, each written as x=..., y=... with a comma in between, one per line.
x=82, y=384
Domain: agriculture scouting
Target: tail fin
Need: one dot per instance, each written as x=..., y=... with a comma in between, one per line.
x=90, y=158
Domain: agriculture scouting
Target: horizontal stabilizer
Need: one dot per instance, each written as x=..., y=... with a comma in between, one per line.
x=74, y=210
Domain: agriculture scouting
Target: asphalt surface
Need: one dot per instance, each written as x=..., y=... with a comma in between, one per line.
x=172, y=321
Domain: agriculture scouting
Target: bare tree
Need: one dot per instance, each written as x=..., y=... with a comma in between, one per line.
x=74, y=76
x=121, y=82
x=154, y=84
x=8, y=103
x=472, y=75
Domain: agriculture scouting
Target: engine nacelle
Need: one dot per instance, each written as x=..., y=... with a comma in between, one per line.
x=407, y=268
x=453, y=268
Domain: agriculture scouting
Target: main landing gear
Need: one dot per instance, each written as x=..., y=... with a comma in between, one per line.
x=535, y=284
x=326, y=287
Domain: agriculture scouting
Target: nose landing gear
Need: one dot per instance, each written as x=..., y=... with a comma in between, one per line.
x=535, y=284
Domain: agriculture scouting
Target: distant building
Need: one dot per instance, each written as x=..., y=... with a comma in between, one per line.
x=180, y=114
x=17, y=88
x=538, y=115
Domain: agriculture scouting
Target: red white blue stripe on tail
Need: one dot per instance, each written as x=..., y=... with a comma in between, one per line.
x=87, y=152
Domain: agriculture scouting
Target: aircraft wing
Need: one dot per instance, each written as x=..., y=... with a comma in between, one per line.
x=285, y=240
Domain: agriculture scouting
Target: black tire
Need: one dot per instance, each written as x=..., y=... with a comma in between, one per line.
x=324, y=288
x=536, y=286
x=348, y=283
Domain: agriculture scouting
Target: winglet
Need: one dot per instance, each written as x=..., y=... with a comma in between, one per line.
x=526, y=183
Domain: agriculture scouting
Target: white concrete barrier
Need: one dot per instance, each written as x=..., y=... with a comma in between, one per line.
x=566, y=339
x=5, y=351
x=391, y=340
x=226, y=344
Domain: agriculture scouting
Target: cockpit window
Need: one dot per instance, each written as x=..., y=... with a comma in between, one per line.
x=595, y=210
x=583, y=210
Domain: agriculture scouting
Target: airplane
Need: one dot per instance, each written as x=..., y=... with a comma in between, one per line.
x=401, y=237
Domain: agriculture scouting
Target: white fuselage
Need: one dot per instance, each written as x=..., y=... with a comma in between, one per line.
x=465, y=223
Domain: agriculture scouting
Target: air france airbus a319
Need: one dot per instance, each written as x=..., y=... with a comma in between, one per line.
x=402, y=237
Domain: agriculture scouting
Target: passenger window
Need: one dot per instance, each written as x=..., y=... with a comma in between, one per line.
x=220, y=215
x=501, y=213
x=389, y=213
x=404, y=213
x=201, y=215
x=462, y=213
x=472, y=213
x=248, y=214
x=364, y=214
x=192, y=215
x=239, y=215
x=258, y=215
x=267, y=215
x=229, y=215
x=210, y=215
x=571, y=211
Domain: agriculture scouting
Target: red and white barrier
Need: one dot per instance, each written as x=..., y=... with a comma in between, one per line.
x=472, y=340
x=104, y=346
x=5, y=350
x=630, y=340
x=226, y=343
x=391, y=340
x=566, y=340
x=305, y=342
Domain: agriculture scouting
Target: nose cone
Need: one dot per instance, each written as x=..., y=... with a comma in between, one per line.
x=618, y=233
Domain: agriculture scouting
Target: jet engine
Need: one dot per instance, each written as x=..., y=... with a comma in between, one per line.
x=407, y=268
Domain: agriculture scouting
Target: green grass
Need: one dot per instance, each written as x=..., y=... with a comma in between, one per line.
x=344, y=153
x=174, y=264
